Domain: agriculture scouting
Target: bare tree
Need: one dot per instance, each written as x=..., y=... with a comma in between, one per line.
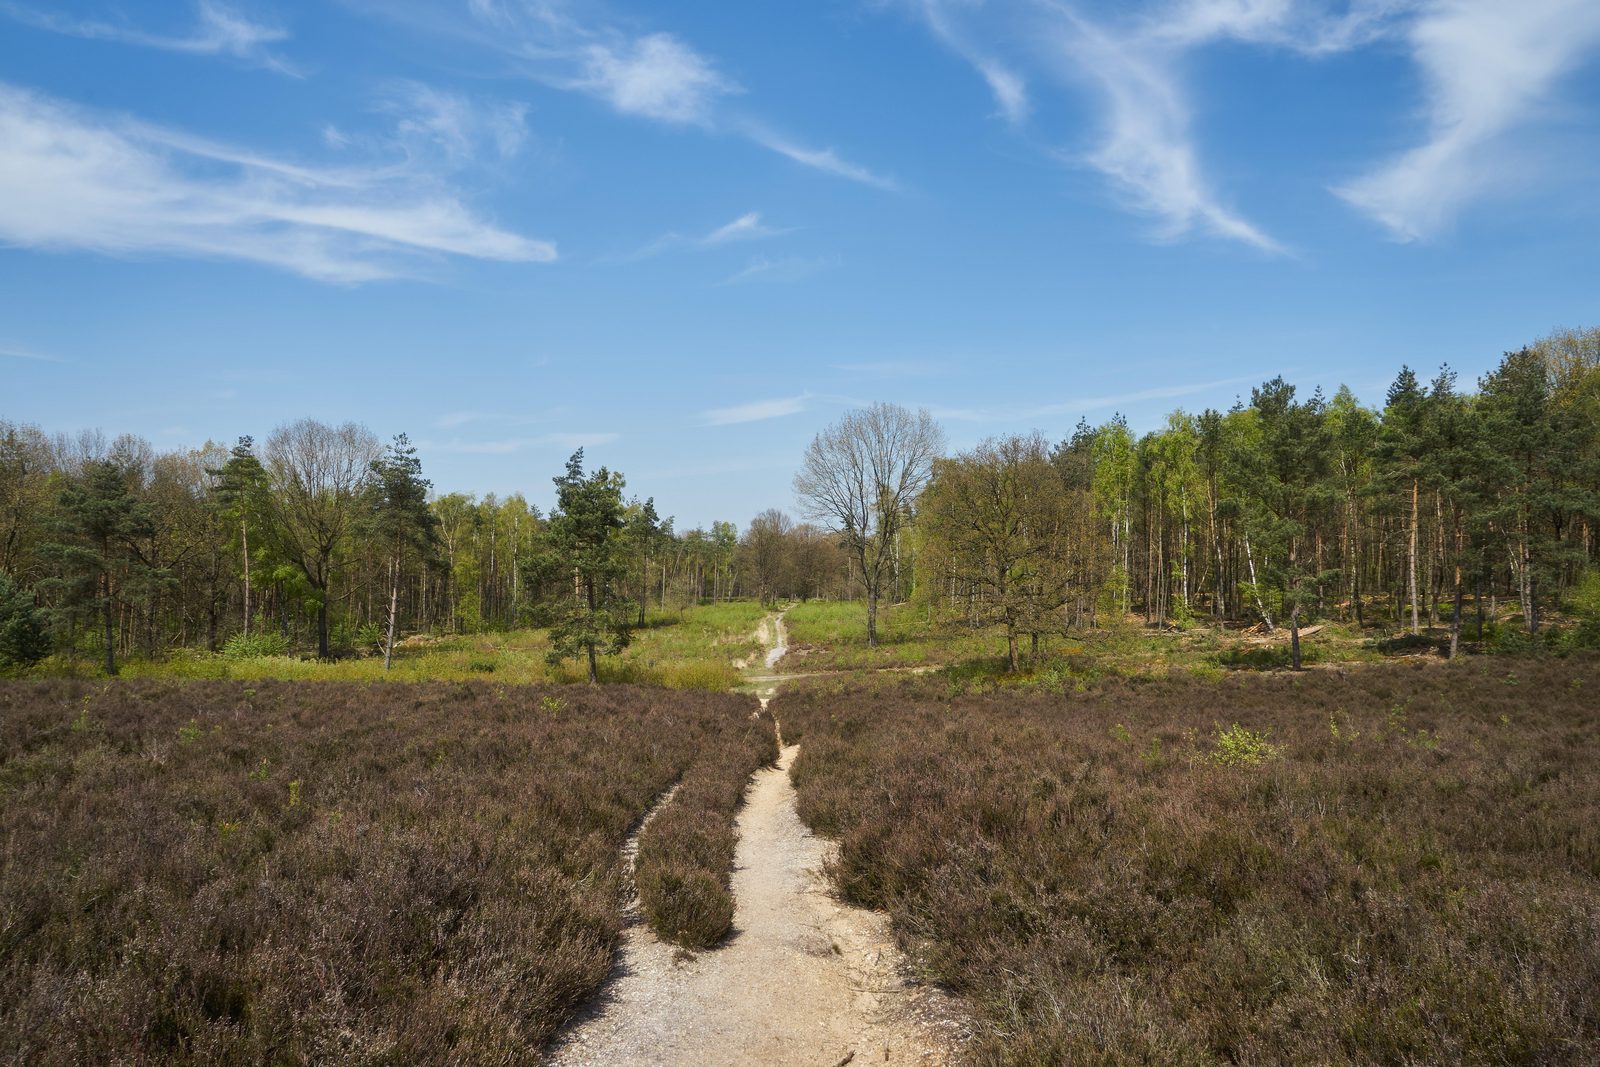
x=319, y=473
x=862, y=476
x=766, y=552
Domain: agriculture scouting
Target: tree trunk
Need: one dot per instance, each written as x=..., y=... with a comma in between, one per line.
x=1411, y=557
x=394, y=605
x=1294, y=637
x=110, y=628
x=322, y=625
x=1011, y=649
x=872, y=618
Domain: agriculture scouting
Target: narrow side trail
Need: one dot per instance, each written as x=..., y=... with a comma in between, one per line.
x=802, y=979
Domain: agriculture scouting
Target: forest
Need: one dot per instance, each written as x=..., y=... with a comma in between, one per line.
x=1471, y=508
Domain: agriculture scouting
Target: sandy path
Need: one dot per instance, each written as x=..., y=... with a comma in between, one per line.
x=801, y=980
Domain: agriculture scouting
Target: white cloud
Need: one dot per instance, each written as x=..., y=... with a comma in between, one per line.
x=1489, y=66
x=455, y=125
x=1082, y=405
x=1146, y=147
x=755, y=411
x=656, y=76
x=28, y=354
x=218, y=31
x=823, y=159
x=790, y=269
x=746, y=227
x=70, y=179
x=1008, y=87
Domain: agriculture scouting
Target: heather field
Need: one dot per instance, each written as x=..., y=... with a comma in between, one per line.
x=218, y=872
x=1388, y=864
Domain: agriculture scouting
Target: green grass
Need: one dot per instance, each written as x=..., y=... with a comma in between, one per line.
x=826, y=636
x=693, y=649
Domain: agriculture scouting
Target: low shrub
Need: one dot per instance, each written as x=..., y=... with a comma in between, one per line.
x=1412, y=877
x=270, y=872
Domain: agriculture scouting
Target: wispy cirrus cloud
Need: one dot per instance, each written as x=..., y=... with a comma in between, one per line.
x=656, y=75
x=788, y=269
x=1006, y=84
x=756, y=411
x=218, y=31
x=1489, y=68
x=747, y=227
x=13, y=352
x=823, y=159
x=72, y=179
x=1083, y=405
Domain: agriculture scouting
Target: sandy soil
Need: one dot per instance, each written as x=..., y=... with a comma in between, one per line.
x=802, y=979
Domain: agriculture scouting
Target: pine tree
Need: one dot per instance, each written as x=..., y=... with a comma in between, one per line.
x=98, y=525
x=400, y=520
x=585, y=535
x=24, y=639
x=240, y=493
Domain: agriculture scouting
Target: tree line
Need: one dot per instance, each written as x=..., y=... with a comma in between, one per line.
x=1437, y=508
x=324, y=540
x=1442, y=505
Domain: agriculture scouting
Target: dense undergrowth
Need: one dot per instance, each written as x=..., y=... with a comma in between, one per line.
x=275, y=873
x=1392, y=864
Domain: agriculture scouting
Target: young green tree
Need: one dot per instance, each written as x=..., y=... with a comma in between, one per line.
x=585, y=535
x=400, y=520
x=1402, y=443
x=1290, y=480
x=98, y=524
x=240, y=494
x=999, y=519
x=1453, y=463
x=319, y=476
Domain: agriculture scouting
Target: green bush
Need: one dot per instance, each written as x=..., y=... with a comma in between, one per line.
x=1238, y=747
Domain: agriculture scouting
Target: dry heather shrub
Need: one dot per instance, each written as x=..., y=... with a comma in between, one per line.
x=686, y=853
x=1414, y=877
x=442, y=884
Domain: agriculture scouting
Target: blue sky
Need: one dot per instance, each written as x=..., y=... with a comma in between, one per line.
x=688, y=236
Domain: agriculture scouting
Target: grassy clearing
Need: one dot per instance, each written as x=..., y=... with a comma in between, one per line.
x=1395, y=864
x=693, y=649
x=830, y=636
x=271, y=872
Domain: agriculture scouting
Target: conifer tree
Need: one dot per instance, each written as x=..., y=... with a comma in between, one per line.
x=585, y=535
x=98, y=524
x=400, y=520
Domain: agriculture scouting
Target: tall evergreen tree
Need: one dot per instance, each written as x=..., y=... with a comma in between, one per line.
x=400, y=520
x=98, y=524
x=585, y=534
x=240, y=492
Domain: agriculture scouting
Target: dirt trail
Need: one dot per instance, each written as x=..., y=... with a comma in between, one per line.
x=802, y=979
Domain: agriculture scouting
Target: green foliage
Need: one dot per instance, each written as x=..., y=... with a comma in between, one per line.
x=586, y=542
x=1236, y=746
x=256, y=645
x=24, y=638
